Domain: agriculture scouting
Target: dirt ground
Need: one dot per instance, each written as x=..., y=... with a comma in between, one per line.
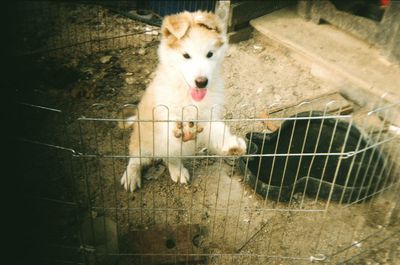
x=235, y=220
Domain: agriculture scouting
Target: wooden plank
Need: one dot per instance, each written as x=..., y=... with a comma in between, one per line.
x=332, y=103
x=339, y=105
x=370, y=123
x=159, y=245
x=369, y=100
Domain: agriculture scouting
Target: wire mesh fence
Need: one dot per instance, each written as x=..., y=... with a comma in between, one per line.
x=317, y=184
x=224, y=208
x=85, y=27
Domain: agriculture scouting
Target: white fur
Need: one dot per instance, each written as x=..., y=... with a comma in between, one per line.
x=170, y=88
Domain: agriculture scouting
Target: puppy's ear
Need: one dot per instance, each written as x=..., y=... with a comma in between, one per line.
x=209, y=21
x=176, y=25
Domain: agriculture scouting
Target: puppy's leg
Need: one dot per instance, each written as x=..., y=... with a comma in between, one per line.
x=177, y=171
x=221, y=141
x=132, y=177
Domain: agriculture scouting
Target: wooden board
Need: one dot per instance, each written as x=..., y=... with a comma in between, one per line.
x=164, y=244
x=370, y=123
x=332, y=103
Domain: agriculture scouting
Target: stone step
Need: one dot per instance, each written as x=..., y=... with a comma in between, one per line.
x=333, y=54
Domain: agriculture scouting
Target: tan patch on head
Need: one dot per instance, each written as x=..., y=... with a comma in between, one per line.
x=208, y=20
x=176, y=27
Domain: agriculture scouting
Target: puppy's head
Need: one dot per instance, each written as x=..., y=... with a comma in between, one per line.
x=194, y=44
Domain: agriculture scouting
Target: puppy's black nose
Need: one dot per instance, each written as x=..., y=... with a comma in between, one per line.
x=201, y=82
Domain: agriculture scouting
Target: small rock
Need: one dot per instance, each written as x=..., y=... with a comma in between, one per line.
x=151, y=30
x=88, y=71
x=153, y=33
x=258, y=48
x=130, y=80
x=357, y=244
x=128, y=74
x=142, y=51
x=105, y=59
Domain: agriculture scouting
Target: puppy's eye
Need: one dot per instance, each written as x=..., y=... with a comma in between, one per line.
x=186, y=55
x=209, y=54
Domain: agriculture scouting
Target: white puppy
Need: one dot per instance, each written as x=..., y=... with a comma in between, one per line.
x=186, y=87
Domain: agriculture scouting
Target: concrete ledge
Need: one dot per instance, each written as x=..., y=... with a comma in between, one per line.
x=334, y=54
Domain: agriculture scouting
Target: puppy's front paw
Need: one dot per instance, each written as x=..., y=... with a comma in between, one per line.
x=182, y=175
x=131, y=178
x=234, y=146
x=188, y=130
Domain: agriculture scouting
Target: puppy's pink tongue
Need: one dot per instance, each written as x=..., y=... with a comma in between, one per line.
x=198, y=93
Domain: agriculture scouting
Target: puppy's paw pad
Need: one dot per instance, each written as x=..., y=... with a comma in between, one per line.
x=187, y=130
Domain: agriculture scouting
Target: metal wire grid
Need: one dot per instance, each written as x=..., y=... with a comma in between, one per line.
x=237, y=225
